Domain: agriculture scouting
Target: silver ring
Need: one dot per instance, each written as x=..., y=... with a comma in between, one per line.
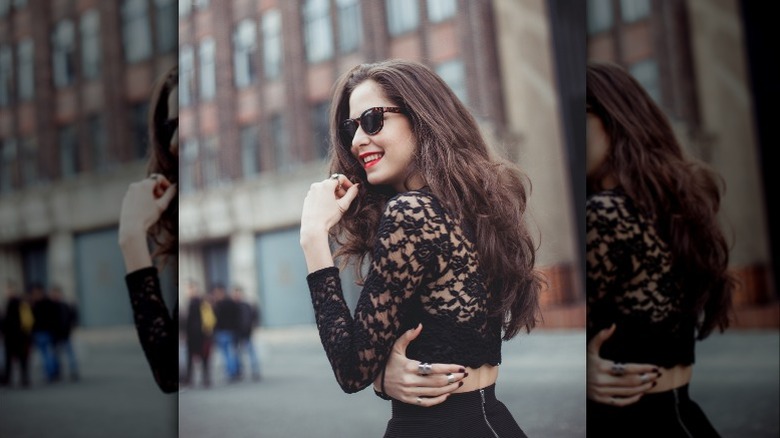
x=154, y=176
x=424, y=369
x=618, y=369
x=612, y=400
x=644, y=377
x=450, y=378
x=419, y=401
x=335, y=176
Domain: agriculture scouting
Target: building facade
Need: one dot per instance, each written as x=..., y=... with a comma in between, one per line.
x=75, y=78
x=256, y=80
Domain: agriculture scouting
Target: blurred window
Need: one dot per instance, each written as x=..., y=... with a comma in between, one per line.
x=599, y=15
x=69, y=157
x=96, y=130
x=440, y=10
x=633, y=10
x=272, y=44
x=320, y=128
x=402, y=15
x=63, y=53
x=29, y=164
x=6, y=74
x=281, y=142
x=139, y=128
x=185, y=7
x=7, y=164
x=646, y=72
x=26, y=70
x=318, y=31
x=189, y=161
x=210, y=157
x=207, y=71
x=90, y=44
x=186, y=76
x=454, y=75
x=136, y=30
x=244, y=52
x=167, y=25
x=350, y=25
x=249, y=150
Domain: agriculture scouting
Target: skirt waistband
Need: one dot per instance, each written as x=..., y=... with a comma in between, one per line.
x=456, y=405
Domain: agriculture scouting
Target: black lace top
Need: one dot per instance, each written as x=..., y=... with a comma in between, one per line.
x=424, y=269
x=631, y=282
x=157, y=330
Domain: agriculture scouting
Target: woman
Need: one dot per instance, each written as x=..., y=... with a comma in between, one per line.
x=657, y=263
x=418, y=194
x=150, y=209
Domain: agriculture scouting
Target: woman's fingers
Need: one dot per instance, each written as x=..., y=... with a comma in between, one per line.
x=426, y=402
x=166, y=197
x=595, y=344
x=617, y=401
x=622, y=391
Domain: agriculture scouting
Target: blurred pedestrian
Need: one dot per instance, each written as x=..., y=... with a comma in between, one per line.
x=17, y=334
x=199, y=323
x=67, y=321
x=247, y=321
x=46, y=314
x=150, y=209
x=226, y=312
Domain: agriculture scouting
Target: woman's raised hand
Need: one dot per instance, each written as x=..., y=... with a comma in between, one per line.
x=613, y=383
x=404, y=383
x=326, y=203
x=142, y=206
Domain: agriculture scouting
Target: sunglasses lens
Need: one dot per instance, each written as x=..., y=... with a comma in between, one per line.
x=371, y=121
x=347, y=132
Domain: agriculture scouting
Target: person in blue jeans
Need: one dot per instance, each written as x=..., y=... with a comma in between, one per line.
x=227, y=315
x=247, y=321
x=67, y=318
x=46, y=319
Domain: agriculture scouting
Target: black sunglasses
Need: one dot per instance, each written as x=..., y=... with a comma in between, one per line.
x=371, y=120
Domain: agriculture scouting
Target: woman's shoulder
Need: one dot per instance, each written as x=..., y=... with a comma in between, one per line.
x=411, y=201
x=606, y=199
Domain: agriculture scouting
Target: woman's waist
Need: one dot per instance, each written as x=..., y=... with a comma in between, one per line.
x=478, y=378
x=457, y=405
x=675, y=377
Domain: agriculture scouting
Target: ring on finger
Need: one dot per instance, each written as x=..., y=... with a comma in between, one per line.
x=618, y=369
x=450, y=378
x=424, y=369
x=644, y=377
x=335, y=176
x=154, y=176
x=419, y=401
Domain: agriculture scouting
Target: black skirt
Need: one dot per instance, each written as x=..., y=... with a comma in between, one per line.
x=668, y=414
x=474, y=414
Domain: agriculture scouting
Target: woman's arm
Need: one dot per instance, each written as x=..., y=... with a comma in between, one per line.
x=405, y=253
x=157, y=331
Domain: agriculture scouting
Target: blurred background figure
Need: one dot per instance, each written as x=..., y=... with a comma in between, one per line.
x=46, y=316
x=249, y=318
x=17, y=328
x=67, y=320
x=226, y=312
x=199, y=322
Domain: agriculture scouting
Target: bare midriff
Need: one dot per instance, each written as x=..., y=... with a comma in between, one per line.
x=671, y=378
x=479, y=378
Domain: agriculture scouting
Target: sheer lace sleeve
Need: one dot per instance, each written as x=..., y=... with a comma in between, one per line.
x=601, y=225
x=157, y=330
x=408, y=253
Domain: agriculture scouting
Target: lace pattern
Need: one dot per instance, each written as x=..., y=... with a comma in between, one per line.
x=631, y=282
x=424, y=269
x=157, y=330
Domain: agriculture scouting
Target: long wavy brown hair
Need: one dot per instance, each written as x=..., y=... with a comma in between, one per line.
x=457, y=167
x=680, y=192
x=161, y=160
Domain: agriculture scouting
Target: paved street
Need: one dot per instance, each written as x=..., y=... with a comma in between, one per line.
x=541, y=382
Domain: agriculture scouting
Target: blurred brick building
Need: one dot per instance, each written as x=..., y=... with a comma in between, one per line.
x=698, y=61
x=256, y=79
x=75, y=78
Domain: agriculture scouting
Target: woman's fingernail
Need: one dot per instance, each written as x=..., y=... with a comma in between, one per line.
x=654, y=383
x=460, y=384
x=466, y=375
x=655, y=370
x=462, y=370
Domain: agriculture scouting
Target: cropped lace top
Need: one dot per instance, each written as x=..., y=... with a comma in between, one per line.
x=631, y=282
x=424, y=269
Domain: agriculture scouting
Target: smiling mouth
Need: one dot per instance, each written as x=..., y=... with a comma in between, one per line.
x=371, y=159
